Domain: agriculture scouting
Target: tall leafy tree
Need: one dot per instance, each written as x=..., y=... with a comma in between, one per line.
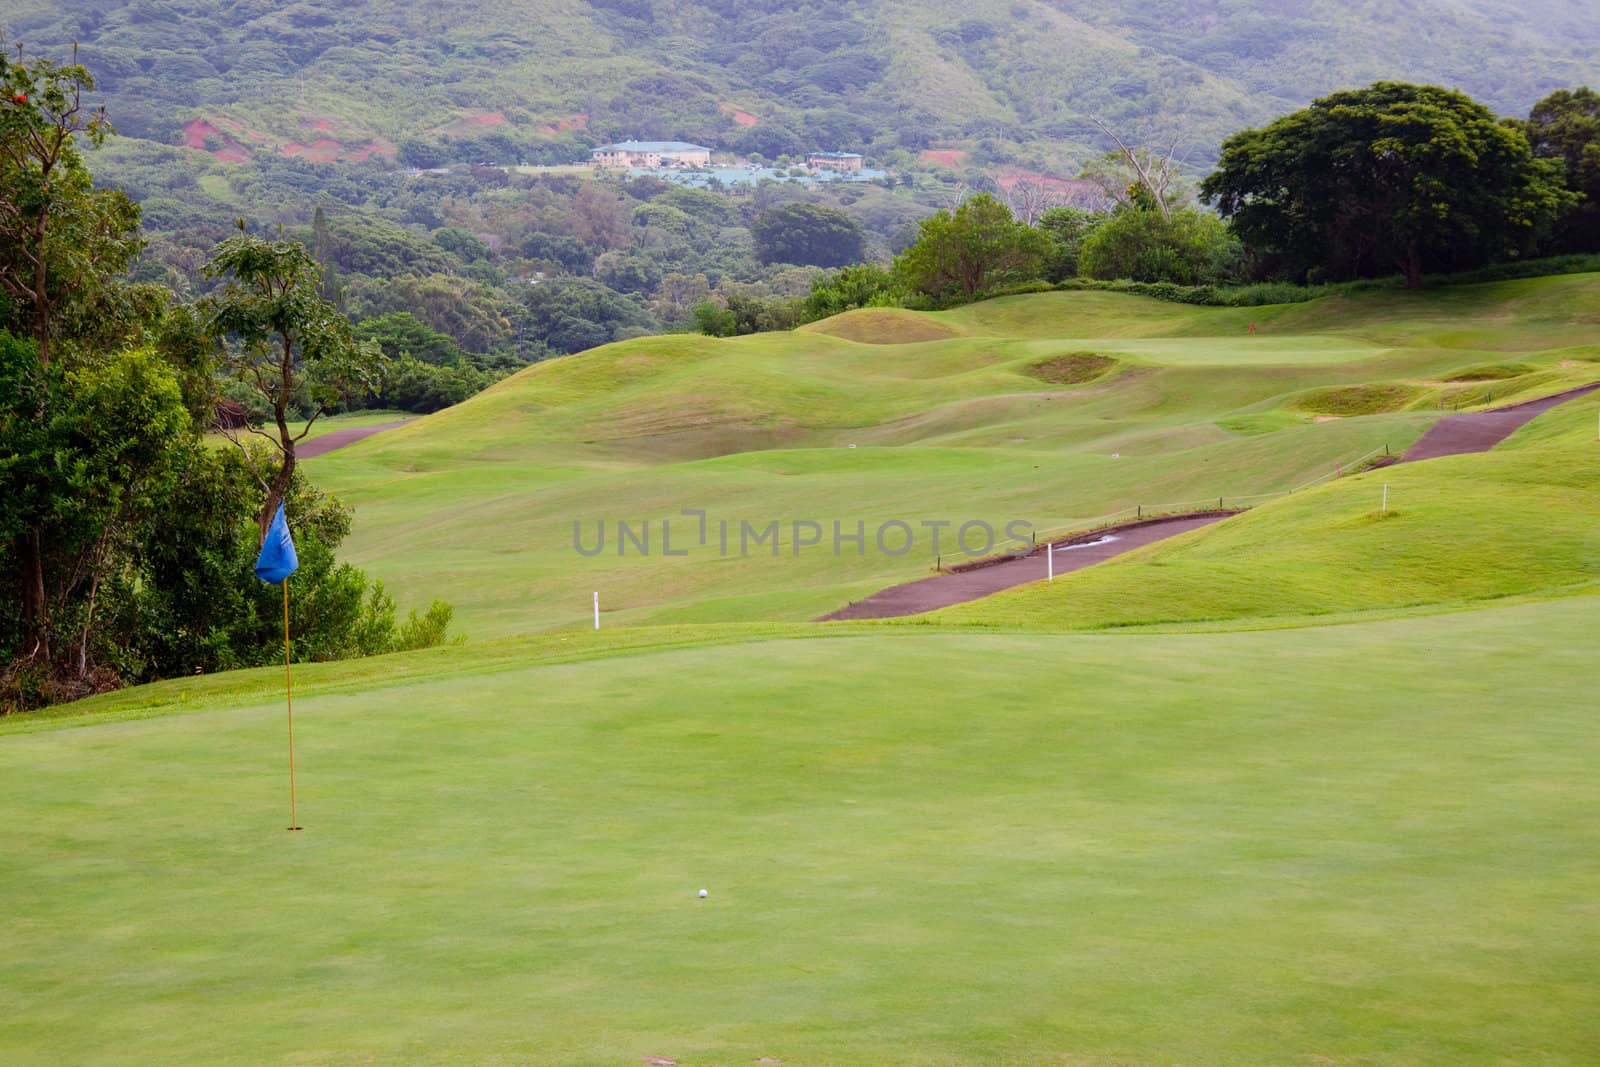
x=976, y=247
x=284, y=340
x=62, y=244
x=1391, y=177
x=1565, y=126
x=62, y=241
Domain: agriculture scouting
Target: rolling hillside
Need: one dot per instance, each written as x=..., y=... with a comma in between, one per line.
x=1020, y=82
x=1050, y=410
x=981, y=838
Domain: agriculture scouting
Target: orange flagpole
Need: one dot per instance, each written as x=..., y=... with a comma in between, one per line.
x=288, y=700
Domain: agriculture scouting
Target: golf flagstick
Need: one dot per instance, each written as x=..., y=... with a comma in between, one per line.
x=288, y=702
x=275, y=563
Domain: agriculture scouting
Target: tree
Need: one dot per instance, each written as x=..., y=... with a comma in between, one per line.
x=572, y=314
x=1139, y=177
x=1140, y=244
x=975, y=248
x=868, y=285
x=809, y=235
x=1565, y=126
x=62, y=241
x=1067, y=229
x=285, y=335
x=1394, y=176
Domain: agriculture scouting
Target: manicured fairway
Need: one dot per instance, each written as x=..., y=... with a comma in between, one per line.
x=955, y=416
x=1362, y=844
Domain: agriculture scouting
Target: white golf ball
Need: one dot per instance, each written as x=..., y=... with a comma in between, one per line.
x=703, y=893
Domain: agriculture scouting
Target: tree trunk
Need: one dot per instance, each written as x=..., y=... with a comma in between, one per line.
x=1413, y=264
x=280, y=481
x=35, y=608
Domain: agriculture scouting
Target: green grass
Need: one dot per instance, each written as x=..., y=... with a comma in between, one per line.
x=329, y=423
x=974, y=838
x=921, y=848
x=477, y=504
x=1516, y=521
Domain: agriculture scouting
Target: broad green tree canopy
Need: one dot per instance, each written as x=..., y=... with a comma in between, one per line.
x=1391, y=177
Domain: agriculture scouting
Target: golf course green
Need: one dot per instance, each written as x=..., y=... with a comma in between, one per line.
x=1312, y=785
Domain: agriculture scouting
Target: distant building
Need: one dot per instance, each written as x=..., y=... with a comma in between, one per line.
x=652, y=154
x=834, y=160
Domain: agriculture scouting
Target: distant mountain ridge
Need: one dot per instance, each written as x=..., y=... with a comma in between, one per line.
x=1020, y=82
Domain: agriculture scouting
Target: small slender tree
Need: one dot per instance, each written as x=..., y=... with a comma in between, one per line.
x=286, y=341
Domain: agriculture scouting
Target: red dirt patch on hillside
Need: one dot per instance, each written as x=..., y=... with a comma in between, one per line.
x=322, y=150
x=740, y=116
x=571, y=122
x=1009, y=180
x=197, y=133
x=944, y=157
x=320, y=125
x=464, y=124
x=329, y=150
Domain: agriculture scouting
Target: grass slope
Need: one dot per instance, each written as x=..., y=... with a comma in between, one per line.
x=921, y=848
x=952, y=422
x=1516, y=521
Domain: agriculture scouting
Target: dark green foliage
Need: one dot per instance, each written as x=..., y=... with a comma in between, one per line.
x=1395, y=176
x=1143, y=245
x=975, y=249
x=411, y=385
x=572, y=314
x=853, y=287
x=1067, y=229
x=401, y=336
x=1565, y=126
x=809, y=235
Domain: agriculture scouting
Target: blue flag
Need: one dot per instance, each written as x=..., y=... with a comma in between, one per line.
x=277, y=559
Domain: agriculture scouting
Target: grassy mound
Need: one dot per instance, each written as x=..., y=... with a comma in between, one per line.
x=1494, y=372
x=1348, y=400
x=884, y=326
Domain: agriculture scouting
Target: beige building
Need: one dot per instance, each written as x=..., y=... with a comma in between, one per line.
x=834, y=160
x=651, y=155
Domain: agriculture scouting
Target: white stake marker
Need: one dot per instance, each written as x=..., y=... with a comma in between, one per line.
x=1386, y=498
x=1050, y=556
x=597, y=611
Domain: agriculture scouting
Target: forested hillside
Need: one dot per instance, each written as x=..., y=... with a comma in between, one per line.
x=1021, y=81
x=360, y=128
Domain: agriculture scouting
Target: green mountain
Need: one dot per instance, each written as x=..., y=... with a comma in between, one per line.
x=1019, y=82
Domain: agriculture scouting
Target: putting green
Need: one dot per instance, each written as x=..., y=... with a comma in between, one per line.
x=1370, y=843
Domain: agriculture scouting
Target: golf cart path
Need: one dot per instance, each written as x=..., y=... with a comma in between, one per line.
x=1476, y=431
x=1479, y=431
x=1072, y=554
x=335, y=439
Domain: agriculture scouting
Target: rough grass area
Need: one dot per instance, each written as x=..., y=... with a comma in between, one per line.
x=1493, y=372
x=1348, y=400
x=1074, y=368
x=1363, y=844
